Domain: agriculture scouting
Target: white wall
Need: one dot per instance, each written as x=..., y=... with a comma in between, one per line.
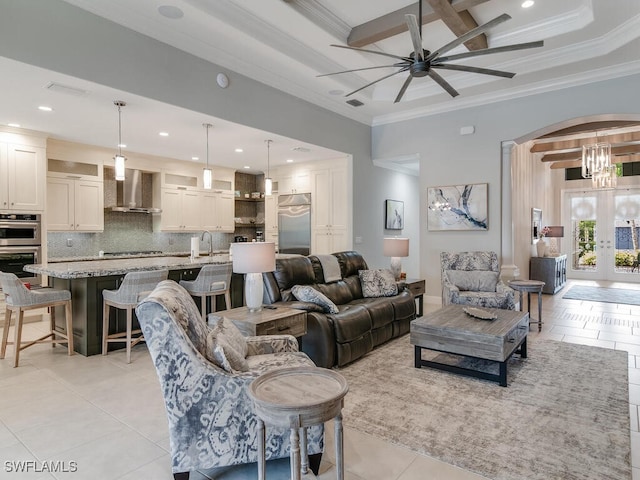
x=449, y=159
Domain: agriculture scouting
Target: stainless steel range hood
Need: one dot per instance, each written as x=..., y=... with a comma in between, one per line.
x=130, y=193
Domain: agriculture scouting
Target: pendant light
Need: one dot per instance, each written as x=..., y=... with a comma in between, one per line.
x=207, y=173
x=119, y=158
x=596, y=158
x=268, y=182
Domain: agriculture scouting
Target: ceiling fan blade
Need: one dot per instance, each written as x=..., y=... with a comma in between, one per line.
x=403, y=89
x=443, y=83
x=469, y=35
x=406, y=59
x=487, y=51
x=378, y=80
x=414, y=30
x=467, y=68
x=360, y=69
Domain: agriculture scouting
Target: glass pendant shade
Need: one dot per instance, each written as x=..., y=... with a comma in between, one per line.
x=268, y=186
x=119, y=159
x=595, y=159
x=606, y=179
x=268, y=182
x=207, y=178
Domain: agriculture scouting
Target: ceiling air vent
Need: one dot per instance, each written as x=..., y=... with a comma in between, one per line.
x=66, y=89
x=355, y=103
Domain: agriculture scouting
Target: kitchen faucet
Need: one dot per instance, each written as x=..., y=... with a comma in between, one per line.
x=210, y=241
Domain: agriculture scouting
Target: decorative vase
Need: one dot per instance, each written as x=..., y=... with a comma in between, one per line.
x=541, y=247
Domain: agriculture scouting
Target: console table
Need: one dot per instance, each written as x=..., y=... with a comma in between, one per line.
x=550, y=270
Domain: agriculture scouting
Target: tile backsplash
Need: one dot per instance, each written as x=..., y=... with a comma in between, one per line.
x=125, y=232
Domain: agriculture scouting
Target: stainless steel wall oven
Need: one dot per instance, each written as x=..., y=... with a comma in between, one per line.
x=20, y=244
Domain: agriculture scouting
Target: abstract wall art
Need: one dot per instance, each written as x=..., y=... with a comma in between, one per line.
x=458, y=207
x=394, y=215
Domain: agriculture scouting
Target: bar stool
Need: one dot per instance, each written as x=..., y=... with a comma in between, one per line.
x=213, y=280
x=19, y=298
x=135, y=287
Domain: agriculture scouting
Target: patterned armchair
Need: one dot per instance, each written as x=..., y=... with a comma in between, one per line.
x=211, y=418
x=473, y=278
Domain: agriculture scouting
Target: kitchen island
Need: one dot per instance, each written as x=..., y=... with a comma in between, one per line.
x=87, y=279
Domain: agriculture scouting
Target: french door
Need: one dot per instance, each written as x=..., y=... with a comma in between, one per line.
x=602, y=234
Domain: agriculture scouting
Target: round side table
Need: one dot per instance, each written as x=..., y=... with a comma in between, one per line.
x=530, y=286
x=297, y=398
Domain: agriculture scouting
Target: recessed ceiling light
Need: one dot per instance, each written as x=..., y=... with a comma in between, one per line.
x=527, y=3
x=336, y=92
x=247, y=167
x=169, y=11
x=163, y=134
x=195, y=158
x=45, y=108
x=239, y=150
x=289, y=160
x=15, y=125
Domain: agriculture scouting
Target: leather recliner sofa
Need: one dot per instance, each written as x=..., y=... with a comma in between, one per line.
x=361, y=323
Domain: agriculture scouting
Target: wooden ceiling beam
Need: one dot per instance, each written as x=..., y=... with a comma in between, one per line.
x=459, y=23
x=394, y=23
x=577, y=154
x=577, y=143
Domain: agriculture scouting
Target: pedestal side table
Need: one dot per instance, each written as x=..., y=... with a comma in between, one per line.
x=530, y=286
x=297, y=398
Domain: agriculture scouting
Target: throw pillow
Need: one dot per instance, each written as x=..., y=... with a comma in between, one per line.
x=227, y=347
x=306, y=293
x=473, y=280
x=378, y=283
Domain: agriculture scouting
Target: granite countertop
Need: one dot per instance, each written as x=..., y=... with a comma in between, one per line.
x=112, y=256
x=121, y=266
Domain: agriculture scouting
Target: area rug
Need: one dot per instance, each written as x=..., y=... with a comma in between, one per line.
x=564, y=414
x=602, y=294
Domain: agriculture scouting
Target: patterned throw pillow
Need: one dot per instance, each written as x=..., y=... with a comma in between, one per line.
x=227, y=347
x=378, y=283
x=306, y=293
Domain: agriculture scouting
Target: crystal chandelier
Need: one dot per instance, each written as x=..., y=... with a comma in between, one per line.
x=606, y=179
x=596, y=159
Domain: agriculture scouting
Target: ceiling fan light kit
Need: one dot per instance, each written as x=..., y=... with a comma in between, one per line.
x=422, y=63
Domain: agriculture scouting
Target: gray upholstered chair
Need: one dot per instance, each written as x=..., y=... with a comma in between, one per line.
x=211, y=417
x=19, y=298
x=213, y=280
x=473, y=278
x=134, y=287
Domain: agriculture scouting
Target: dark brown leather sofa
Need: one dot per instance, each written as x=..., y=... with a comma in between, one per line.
x=361, y=324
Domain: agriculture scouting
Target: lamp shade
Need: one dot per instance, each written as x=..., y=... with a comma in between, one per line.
x=395, y=247
x=556, y=232
x=254, y=257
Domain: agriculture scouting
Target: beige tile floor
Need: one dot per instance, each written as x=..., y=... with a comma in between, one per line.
x=109, y=418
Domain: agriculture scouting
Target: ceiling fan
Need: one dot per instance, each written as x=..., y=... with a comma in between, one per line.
x=422, y=63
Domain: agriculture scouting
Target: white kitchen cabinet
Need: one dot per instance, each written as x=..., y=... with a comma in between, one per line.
x=75, y=205
x=218, y=211
x=22, y=177
x=180, y=210
x=329, y=210
x=294, y=181
x=271, y=219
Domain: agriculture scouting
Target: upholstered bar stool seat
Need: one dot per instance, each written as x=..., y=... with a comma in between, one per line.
x=19, y=298
x=134, y=287
x=213, y=280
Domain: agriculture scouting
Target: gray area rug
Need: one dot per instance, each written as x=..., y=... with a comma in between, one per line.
x=564, y=415
x=602, y=294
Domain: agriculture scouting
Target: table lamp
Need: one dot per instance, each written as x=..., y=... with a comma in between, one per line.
x=252, y=259
x=555, y=232
x=395, y=248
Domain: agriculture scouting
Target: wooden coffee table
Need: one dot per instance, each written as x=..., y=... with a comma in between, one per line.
x=451, y=330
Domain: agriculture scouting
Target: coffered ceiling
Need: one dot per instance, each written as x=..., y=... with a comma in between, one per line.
x=287, y=44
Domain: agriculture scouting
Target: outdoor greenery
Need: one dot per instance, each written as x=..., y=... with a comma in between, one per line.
x=625, y=259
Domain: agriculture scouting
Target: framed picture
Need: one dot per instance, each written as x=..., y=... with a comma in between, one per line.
x=394, y=215
x=536, y=223
x=458, y=207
